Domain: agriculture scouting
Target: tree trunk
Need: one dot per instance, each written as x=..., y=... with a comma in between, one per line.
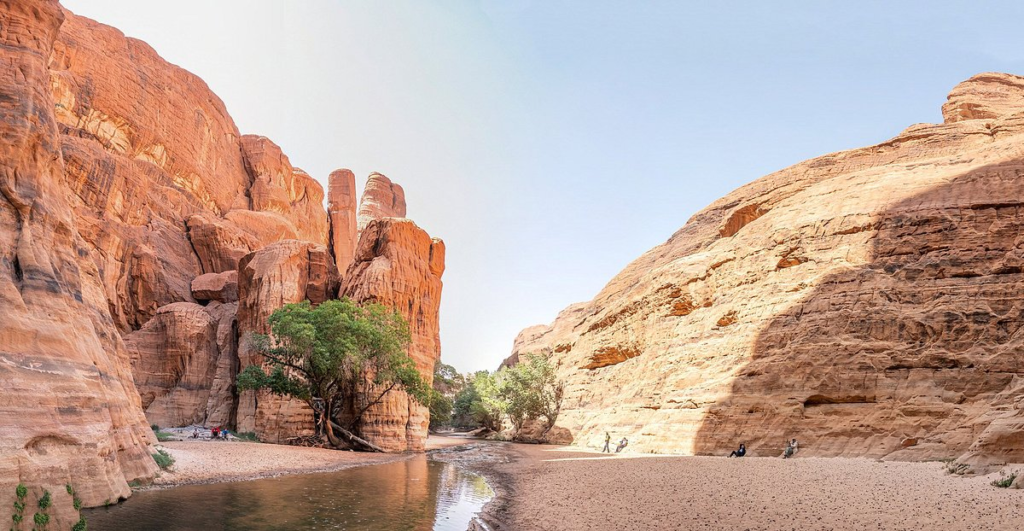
x=353, y=438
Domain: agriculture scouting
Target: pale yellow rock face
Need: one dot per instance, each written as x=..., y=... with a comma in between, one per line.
x=866, y=302
x=399, y=265
x=70, y=411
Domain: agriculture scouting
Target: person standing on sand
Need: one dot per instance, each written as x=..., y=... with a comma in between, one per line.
x=607, y=442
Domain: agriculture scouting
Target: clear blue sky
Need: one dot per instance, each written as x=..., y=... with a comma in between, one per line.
x=550, y=143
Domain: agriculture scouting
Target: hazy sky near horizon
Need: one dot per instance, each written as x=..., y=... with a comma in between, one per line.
x=551, y=143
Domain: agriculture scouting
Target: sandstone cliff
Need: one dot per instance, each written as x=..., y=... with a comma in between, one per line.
x=70, y=412
x=381, y=199
x=399, y=265
x=867, y=302
x=142, y=237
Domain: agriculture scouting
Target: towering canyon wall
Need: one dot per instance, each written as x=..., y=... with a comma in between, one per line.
x=141, y=239
x=71, y=413
x=867, y=302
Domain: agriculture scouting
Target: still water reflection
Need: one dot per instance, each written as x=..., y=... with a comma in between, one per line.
x=413, y=495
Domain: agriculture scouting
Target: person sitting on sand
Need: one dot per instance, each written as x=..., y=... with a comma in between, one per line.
x=195, y=433
x=622, y=444
x=215, y=432
x=791, y=449
x=607, y=441
x=742, y=451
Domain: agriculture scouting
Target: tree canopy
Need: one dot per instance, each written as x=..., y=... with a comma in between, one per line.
x=323, y=354
x=528, y=390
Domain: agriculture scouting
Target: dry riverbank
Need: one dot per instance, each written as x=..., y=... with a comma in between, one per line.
x=559, y=488
x=206, y=461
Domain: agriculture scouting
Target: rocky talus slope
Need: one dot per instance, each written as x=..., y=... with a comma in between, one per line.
x=141, y=238
x=867, y=302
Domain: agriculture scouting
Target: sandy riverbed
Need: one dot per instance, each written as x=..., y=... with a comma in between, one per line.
x=553, y=488
x=206, y=461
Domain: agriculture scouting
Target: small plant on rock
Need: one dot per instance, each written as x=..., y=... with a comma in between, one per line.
x=1005, y=480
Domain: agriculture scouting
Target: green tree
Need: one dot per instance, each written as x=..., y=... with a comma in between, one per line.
x=447, y=385
x=324, y=355
x=528, y=390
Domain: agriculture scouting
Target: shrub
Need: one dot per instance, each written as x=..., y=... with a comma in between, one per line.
x=21, y=491
x=80, y=526
x=155, y=427
x=46, y=500
x=41, y=519
x=163, y=459
x=247, y=436
x=1005, y=480
x=163, y=437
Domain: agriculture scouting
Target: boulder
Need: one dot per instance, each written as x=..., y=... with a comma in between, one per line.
x=221, y=287
x=174, y=360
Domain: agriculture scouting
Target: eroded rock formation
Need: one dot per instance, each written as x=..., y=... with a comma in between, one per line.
x=867, y=302
x=381, y=199
x=71, y=413
x=141, y=238
x=341, y=211
x=397, y=264
x=282, y=273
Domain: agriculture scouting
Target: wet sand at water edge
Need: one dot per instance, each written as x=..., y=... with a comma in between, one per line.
x=561, y=488
x=206, y=461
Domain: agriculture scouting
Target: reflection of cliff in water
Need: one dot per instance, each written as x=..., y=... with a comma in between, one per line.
x=916, y=352
x=412, y=494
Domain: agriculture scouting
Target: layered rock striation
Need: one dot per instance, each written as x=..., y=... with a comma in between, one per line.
x=867, y=302
x=71, y=413
x=399, y=265
x=142, y=238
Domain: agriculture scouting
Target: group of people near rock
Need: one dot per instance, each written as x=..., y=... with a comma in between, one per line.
x=217, y=432
x=608, y=441
x=791, y=447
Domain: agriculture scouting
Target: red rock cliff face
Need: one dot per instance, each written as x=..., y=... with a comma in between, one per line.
x=341, y=196
x=867, y=302
x=397, y=264
x=141, y=239
x=71, y=413
x=283, y=273
x=381, y=199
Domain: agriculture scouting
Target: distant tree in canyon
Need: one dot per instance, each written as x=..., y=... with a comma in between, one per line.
x=447, y=385
x=327, y=355
x=528, y=390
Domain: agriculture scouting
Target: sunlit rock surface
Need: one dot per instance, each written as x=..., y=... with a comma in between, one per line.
x=399, y=265
x=71, y=413
x=867, y=302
